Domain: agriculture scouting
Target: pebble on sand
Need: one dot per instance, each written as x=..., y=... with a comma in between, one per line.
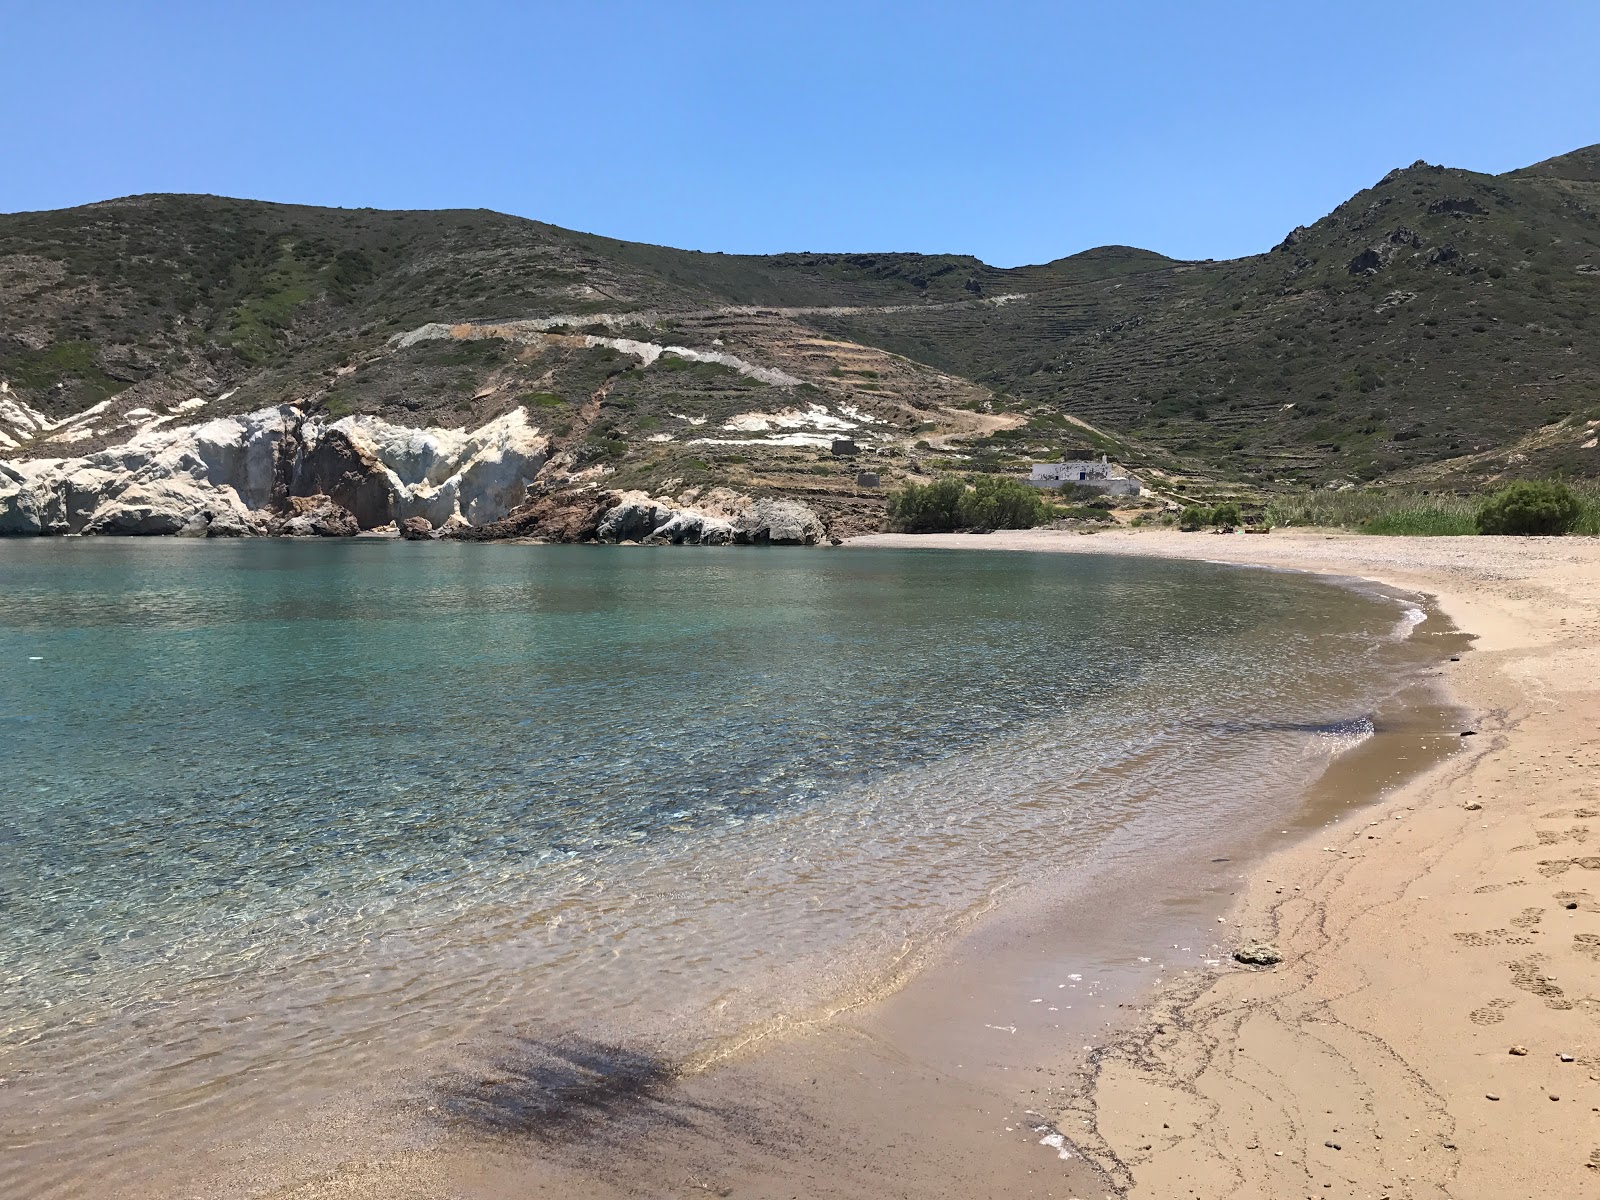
x=1519, y=1050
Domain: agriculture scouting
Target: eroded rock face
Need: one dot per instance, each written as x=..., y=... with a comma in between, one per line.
x=634, y=517
x=637, y=517
x=230, y=474
x=694, y=528
x=277, y=471
x=778, y=523
x=385, y=472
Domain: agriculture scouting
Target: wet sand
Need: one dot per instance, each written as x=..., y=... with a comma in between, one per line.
x=1423, y=938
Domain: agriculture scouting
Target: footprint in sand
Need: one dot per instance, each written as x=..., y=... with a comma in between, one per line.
x=1495, y=887
x=1551, y=867
x=1549, y=837
x=1525, y=974
x=1528, y=918
x=1491, y=1013
x=1587, y=943
x=1490, y=937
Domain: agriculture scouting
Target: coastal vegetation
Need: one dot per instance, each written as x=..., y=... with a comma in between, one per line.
x=980, y=502
x=1527, y=507
x=1223, y=516
x=1520, y=507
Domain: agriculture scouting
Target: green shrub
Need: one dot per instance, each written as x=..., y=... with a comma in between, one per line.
x=541, y=399
x=995, y=502
x=1226, y=514
x=1542, y=508
x=991, y=502
x=927, y=508
x=1194, y=517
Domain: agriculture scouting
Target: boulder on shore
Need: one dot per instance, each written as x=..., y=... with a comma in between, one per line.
x=416, y=529
x=316, y=516
x=778, y=523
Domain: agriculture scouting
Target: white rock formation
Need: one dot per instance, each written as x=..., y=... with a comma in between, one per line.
x=474, y=476
x=223, y=472
x=638, y=517
x=155, y=483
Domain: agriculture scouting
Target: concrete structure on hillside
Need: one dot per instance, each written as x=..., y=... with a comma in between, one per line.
x=1103, y=476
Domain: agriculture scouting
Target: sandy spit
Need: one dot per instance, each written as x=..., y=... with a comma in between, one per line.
x=1434, y=1028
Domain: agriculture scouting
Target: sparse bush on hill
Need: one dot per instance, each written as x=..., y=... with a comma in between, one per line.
x=1543, y=508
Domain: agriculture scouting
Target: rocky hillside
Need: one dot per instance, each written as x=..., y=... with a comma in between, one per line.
x=1438, y=325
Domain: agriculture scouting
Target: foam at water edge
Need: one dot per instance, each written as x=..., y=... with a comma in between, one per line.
x=1347, y=735
x=1409, y=620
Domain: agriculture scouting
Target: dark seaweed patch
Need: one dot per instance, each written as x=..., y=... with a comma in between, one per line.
x=566, y=1090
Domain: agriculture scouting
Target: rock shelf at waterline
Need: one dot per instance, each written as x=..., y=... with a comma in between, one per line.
x=281, y=472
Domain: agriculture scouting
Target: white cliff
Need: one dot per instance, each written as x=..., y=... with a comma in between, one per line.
x=223, y=475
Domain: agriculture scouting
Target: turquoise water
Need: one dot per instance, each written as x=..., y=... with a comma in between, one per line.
x=278, y=816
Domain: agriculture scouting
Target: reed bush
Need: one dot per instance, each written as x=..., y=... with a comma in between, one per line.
x=1411, y=514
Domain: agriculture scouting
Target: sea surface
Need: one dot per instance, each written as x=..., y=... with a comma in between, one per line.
x=293, y=828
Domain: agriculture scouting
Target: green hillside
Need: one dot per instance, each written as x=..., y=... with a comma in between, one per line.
x=1439, y=324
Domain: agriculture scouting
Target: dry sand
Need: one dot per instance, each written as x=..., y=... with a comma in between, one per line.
x=1422, y=938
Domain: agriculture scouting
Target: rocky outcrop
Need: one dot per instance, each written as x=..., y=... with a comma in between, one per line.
x=156, y=483
x=715, y=518
x=280, y=472
x=778, y=523
x=637, y=517
x=384, y=472
x=240, y=475
x=316, y=516
x=634, y=517
x=693, y=528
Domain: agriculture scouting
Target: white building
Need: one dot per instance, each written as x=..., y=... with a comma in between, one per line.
x=1103, y=476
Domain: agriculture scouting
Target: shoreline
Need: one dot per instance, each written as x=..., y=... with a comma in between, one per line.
x=1421, y=939
x=952, y=1085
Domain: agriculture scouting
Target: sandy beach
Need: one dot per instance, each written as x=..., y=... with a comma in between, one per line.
x=1431, y=1030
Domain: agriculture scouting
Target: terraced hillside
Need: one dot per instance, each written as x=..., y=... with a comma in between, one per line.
x=1439, y=314
x=1441, y=324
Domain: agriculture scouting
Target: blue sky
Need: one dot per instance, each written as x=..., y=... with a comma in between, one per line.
x=1018, y=132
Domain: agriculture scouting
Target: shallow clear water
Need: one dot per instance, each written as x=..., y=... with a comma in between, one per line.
x=277, y=817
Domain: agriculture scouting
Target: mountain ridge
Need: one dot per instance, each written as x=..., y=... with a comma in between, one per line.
x=1435, y=318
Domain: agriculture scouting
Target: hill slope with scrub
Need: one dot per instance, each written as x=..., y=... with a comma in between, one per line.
x=1437, y=328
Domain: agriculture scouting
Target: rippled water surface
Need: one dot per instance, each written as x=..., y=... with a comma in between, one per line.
x=277, y=818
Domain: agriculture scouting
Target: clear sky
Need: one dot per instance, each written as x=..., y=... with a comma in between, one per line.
x=1018, y=132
